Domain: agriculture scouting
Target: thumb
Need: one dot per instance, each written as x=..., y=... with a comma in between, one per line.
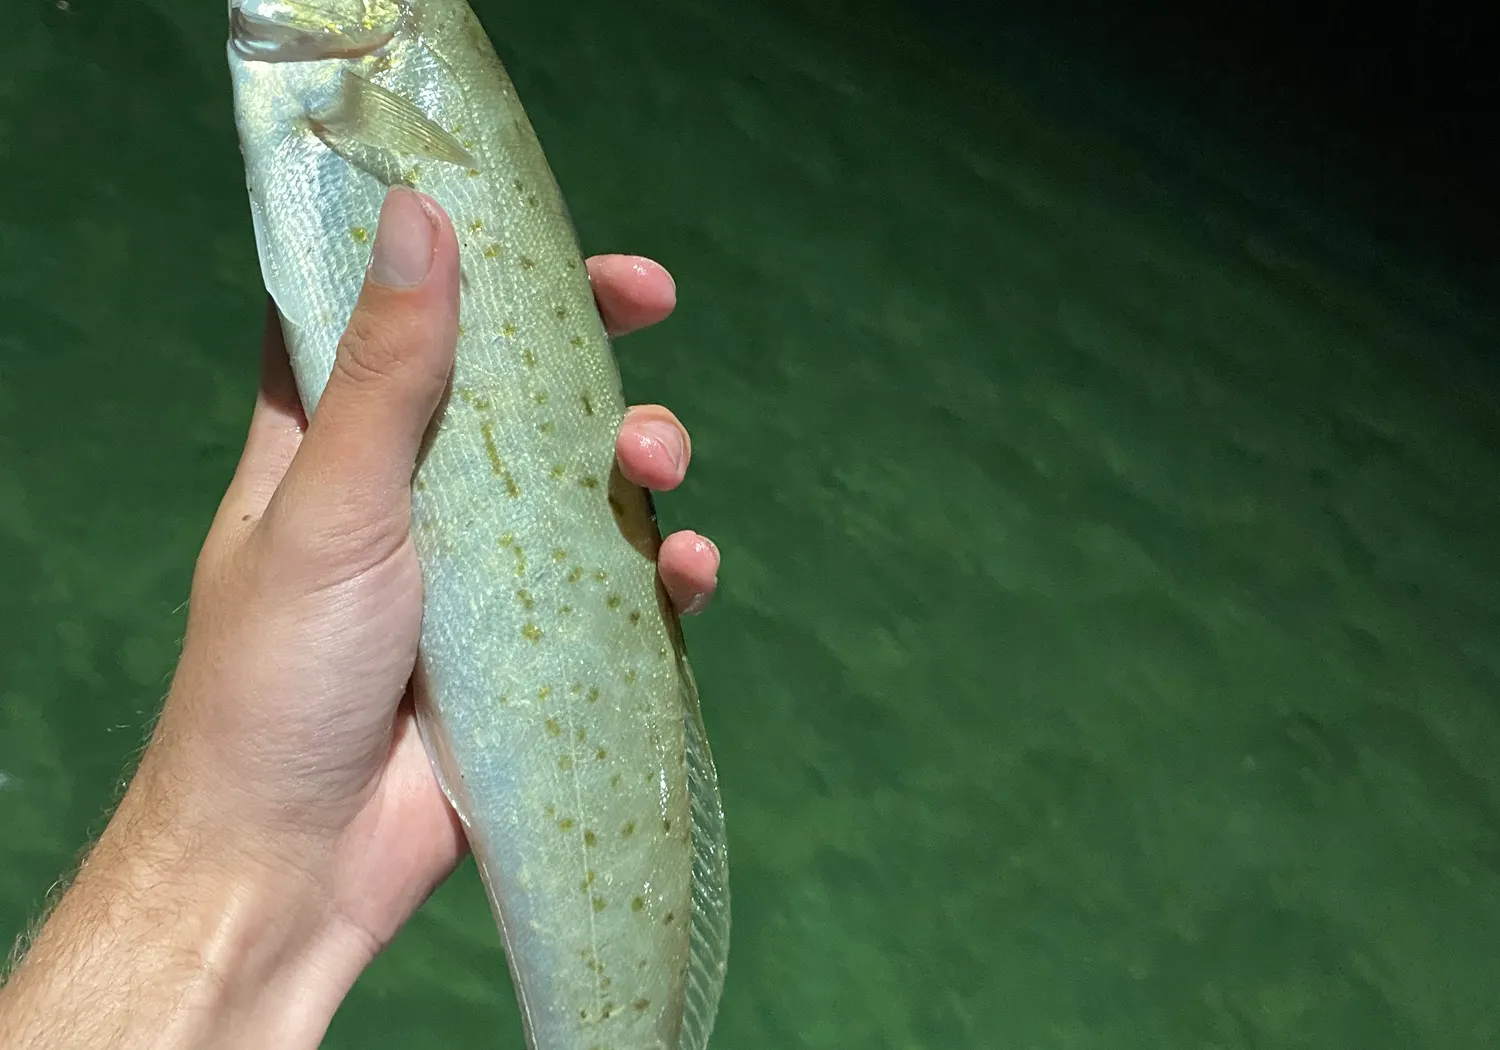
x=353, y=471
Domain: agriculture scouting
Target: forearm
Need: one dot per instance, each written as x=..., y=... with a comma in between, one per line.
x=166, y=940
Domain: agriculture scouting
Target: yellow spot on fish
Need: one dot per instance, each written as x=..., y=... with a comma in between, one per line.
x=561, y=313
x=565, y=610
x=614, y=781
x=558, y=554
x=577, y=341
x=546, y=426
x=566, y=824
x=473, y=173
x=635, y=617
x=581, y=735
x=628, y=830
x=411, y=175
x=589, y=482
x=575, y=574
x=497, y=465
x=613, y=601
x=599, y=905
x=360, y=234
x=589, y=838
x=549, y=810
x=528, y=263
x=588, y=404
x=544, y=692
x=553, y=729
x=540, y=397
x=532, y=633
x=528, y=357
x=640, y=1005
x=594, y=695
x=601, y=754
x=601, y=576
x=504, y=700
x=630, y=676
x=565, y=763
x=476, y=225
x=526, y=603
x=669, y=919
x=508, y=330
x=492, y=252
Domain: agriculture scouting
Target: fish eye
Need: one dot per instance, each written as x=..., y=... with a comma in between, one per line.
x=311, y=30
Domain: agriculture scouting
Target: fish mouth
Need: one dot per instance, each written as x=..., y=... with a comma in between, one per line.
x=302, y=31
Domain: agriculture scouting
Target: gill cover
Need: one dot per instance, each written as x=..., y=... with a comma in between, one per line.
x=308, y=30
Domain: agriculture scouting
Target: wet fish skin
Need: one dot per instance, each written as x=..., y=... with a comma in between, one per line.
x=555, y=695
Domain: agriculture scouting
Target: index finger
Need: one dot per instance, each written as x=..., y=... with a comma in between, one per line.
x=632, y=292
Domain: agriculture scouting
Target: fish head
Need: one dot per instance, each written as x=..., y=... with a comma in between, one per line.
x=312, y=30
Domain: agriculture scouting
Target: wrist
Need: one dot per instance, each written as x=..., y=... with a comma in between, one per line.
x=174, y=938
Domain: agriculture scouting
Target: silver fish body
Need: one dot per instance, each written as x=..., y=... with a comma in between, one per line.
x=555, y=696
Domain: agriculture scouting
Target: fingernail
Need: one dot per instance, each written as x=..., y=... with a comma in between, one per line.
x=697, y=605
x=668, y=437
x=403, y=244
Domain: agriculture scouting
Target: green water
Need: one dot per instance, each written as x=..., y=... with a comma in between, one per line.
x=1108, y=648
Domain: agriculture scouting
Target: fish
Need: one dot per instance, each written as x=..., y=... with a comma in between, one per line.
x=553, y=689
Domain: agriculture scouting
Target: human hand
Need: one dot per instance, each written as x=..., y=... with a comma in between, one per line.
x=285, y=778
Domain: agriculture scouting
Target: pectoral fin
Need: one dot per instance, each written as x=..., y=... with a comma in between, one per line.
x=379, y=131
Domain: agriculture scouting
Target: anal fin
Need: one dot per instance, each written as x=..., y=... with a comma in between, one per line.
x=438, y=747
x=708, y=944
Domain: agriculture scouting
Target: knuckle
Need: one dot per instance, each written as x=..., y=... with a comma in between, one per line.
x=327, y=545
x=228, y=535
x=370, y=351
x=208, y=570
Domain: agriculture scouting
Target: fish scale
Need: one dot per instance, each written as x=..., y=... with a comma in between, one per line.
x=554, y=693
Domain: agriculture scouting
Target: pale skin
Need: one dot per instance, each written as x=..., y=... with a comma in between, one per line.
x=284, y=822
